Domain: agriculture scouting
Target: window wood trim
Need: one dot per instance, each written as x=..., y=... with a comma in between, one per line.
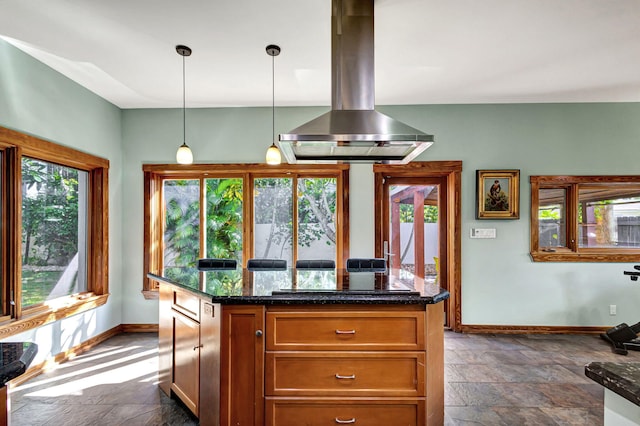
x=15, y=146
x=154, y=174
x=573, y=253
x=11, y=225
x=66, y=307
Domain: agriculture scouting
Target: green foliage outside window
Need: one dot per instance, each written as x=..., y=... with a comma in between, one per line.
x=316, y=210
x=272, y=206
x=223, y=221
x=224, y=218
x=430, y=213
x=223, y=224
x=50, y=233
x=182, y=223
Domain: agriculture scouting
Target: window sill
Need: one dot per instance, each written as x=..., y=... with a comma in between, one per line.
x=57, y=310
x=151, y=294
x=569, y=256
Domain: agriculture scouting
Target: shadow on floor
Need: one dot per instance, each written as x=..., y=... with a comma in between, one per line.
x=489, y=380
x=115, y=383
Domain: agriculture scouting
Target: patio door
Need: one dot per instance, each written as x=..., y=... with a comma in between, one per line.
x=414, y=225
x=417, y=224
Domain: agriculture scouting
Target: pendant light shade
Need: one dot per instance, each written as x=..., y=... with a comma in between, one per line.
x=184, y=154
x=273, y=156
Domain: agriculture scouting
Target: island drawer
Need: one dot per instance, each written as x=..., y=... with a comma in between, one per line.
x=345, y=330
x=397, y=374
x=186, y=303
x=319, y=412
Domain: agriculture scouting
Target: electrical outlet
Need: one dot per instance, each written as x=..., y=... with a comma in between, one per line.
x=613, y=309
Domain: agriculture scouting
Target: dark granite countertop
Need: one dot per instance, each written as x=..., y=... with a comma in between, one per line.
x=291, y=286
x=619, y=377
x=15, y=357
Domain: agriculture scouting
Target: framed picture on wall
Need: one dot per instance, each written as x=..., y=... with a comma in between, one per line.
x=498, y=194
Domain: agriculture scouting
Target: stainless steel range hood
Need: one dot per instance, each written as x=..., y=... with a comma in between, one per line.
x=353, y=131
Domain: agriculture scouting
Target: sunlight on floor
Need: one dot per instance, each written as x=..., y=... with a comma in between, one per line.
x=87, y=357
x=118, y=371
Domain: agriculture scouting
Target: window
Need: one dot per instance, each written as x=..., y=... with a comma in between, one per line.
x=273, y=218
x=54, y=231
x=181, y=234
x=317, y=218
x=242, y=211
x=585, y=218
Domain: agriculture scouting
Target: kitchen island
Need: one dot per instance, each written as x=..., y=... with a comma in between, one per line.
x=303, y=347
x=621, y=381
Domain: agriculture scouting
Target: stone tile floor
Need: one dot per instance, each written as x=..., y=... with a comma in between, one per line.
x=115, y=383
x=517, y=380
x=490, y=380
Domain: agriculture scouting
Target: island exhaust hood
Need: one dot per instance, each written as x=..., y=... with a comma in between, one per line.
x=353, y=131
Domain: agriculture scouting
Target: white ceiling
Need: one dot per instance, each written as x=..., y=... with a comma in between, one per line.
x=427, y=51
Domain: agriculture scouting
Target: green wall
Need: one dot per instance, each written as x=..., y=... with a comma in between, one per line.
x=500, y=283
x=36, y=100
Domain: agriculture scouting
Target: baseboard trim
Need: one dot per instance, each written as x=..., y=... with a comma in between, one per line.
x=139, y=328
x=65, y=356
x=529, y=329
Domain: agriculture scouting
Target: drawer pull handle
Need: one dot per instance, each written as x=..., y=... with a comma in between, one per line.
x=345, y=332
x=345, y=422
x=195, y=348
x=339, y=376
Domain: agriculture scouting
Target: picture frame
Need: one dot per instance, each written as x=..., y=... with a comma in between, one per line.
x=497, y=194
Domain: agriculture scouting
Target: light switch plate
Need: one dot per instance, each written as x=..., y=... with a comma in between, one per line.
x=483, y=232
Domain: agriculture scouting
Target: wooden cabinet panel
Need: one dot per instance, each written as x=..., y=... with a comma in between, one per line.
x=186, y=303
x=186, y=360
x=390, y=374
x=242, y=366
x=210, y=325
x=296, y=412
x=346, y=330
x=165, y=338
x=435, y=363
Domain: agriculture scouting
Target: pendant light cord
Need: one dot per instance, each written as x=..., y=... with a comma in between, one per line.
x=184, y=106
x=273, y=153
x=273, y=99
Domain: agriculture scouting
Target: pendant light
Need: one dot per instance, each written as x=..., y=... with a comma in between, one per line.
x=184, y=154
x=273, y=156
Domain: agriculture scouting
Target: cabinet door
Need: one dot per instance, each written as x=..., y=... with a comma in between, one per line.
x=186, y=360
x=242, y=366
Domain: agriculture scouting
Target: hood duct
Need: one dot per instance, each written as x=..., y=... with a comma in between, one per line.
x=353, y=131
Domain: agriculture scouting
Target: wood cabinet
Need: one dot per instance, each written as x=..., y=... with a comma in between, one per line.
x=280, y=365
x=242, y=366
x=189, y=351
x=350, y=364
x=185, y=380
